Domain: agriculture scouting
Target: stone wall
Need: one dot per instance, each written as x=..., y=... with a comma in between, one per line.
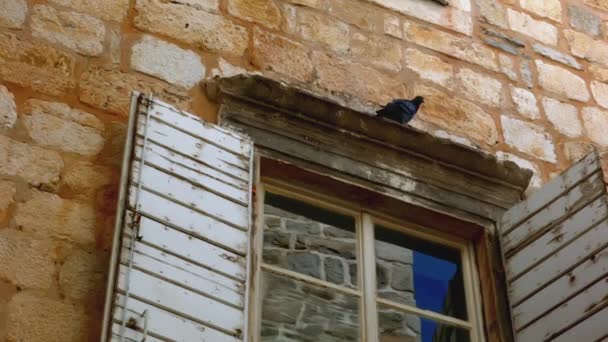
x=526, y=80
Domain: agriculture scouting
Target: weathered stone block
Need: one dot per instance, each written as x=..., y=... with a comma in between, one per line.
x=316, y=27
x=8, y=108
x=596, y=124
x=557, y=56
x=48, y=215
x=63, y=111
x=110, y=89
x=115, y=10
x=537, y=179
x=338, y=75
x=167, y=61
x=551, y=9
x=191, y=25
x=7, y=197
x=526, y=72
x=600, y=93
x=599, y=73
x=584, y=20
x=306, y=263
x=27, y=262
x=525, y=103
x=50, y=131
x=575, y=150
x=539, y=30
x=507, y=66
x=358, y=13
x=76, y=31
x=561, y=81
x=303, y=227
x=381, y=276
x=43, y=68
x=586, y=47
x=35, y=165
x=402, y=278
x=13, y=13
x=82, y=275
x=263, y=12
x=480, y=88
x=456, y=17
x=493, y=12
x=430, y=68
x=601, y=4
x=334, y=271
x=85, y=177
x=278, y=54
x=380, y=52
x=226, y=69
x=528, y=138
x=36, y=319
x=276, y=239
x=563, y=116
x=455, y=114
x=393, y=253
x=449, y=44
x=392, y=26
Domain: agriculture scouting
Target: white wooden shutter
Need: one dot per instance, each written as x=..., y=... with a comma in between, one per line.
x=555, y=246
x=180, y=267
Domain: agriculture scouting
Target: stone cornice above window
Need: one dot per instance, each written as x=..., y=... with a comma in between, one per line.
x=406, y=162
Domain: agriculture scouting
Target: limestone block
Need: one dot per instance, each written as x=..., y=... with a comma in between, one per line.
x=13, y=13
x=110, y=89
x=115, y=10
x=35, y=165
x=457, y=115
x=82, y=275
x=480, y=88
x=41, y=67
x=525, y=24
x=27, y=261
x=528, y=138
x=525, y=103
x=191, y=25
x=167, y=61
x=48, y=215
x=282, y=55
x=596, y=124
x=264, y=12
x=563, y=116
x=76, y=31
x=561, y=81
x=452, y=45
x=38, y=319
x=8, y=108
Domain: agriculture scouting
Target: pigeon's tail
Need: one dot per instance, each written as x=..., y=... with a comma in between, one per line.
x=381, y=112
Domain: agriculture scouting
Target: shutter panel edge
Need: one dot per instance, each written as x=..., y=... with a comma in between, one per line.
x=209, y=147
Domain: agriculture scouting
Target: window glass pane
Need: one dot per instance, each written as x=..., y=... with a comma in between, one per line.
x=295, y=311
x=397, y=326
x=310, y=240
x=414, y=271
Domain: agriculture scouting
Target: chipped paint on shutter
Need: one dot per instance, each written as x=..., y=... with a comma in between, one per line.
x=180, y=264
x=555, y=246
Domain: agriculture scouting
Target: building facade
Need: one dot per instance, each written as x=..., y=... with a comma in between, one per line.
x=522, y=80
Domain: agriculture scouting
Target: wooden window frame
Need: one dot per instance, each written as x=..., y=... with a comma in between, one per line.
x=366, y=220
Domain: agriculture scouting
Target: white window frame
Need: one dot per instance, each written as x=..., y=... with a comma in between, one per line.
x=366, y=220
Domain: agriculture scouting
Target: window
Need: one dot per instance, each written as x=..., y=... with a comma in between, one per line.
x=331, y=271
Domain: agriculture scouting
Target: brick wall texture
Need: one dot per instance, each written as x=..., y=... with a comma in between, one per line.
x=526, y=80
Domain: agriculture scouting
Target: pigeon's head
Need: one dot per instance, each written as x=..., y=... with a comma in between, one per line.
x=418, y=100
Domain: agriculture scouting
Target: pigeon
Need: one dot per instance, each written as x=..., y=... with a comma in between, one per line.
x=401, y=110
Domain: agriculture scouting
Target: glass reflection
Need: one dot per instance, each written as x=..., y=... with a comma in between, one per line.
x=421, y=273
x=296, y=311
x=310, y=240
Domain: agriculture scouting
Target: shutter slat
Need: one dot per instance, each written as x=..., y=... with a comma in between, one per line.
x=172, y=327
x=555, y=247
x=181, y=246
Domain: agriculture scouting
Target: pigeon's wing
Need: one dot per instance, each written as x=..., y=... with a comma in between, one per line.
x=408, y=107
